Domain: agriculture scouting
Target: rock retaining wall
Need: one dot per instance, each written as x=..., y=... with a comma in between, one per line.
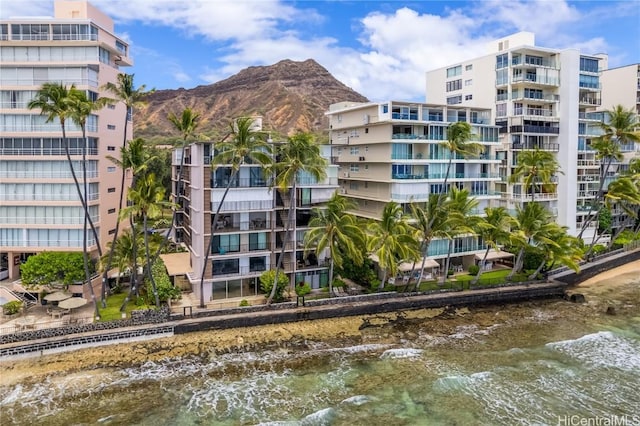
x=590, y=270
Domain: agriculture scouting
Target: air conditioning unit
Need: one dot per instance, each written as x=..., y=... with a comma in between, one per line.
x=361, y=158
x=346, y=174
x=343, y=191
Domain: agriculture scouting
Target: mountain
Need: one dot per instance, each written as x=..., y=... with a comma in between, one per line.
x=289, y=95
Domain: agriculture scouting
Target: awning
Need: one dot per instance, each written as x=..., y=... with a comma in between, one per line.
x=177, y=263
x=408, y=266
x=493, y=255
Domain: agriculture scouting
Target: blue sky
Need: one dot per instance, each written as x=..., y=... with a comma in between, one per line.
x=379, y=48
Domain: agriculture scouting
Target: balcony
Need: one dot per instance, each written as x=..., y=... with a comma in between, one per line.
x=548, y=196
x=238, y=183
x=552, y=147
x=43, y=174
x=535, y=79
x=452, y=176
x=528, y=128
x=535, y=97
x=404, y=116
x=535, y=112
x=407, y=136
x=518, y=61
x=590, y=100
x=36, y=152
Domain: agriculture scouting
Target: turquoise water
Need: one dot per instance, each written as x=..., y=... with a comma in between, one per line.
x=531, y=364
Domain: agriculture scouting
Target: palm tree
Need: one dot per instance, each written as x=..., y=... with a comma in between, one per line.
x=458, y=136
x=536, y=167
x=134, y=158
x=147, y=201
x=334, y=229
x=123, y=253
x=534, y=226
x=123, y=91
x=621, y=128
x=392, y=239
x=430, y=221
x=80, y=109
x=462, y=219
x=245, y=146
x=495, y=232
x=558, y=247
x=300, y=155
x=625, y=192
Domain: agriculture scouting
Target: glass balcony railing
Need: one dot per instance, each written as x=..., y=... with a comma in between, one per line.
x=452, y=176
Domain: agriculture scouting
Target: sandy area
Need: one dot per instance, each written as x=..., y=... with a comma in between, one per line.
x=603, y=283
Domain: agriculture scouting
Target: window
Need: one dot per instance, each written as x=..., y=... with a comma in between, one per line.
x=354, y=186
x=454, y=71
x=257, y=264
x=226, y=267
x=354, y=167
x=354, y=150
x=502, y=61
x=226, y=243
x=453, y=100
x=468, y=82
x=501, y=110
x=468, y=67
x=468, y=97
x=111, y=148
x=105, y=56
x=588, y=64
x=111, y=190
x=589, y=81
x=112, y=231
x=111, y=169
x=111, y=106
x=454, y=85
x=258, y=241
x=366, y=130
x=111, y=127
x=111, y=211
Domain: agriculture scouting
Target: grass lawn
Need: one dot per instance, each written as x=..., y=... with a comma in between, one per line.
x=488, y=279
x=112, y=311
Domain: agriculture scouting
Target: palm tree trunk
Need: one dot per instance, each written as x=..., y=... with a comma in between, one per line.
x=331, y=277
x=149, y=266
x=287, y=228
x=484, y=259
x=85, y=255
x=516, y=264
x=77, y=184
x=210, y=246
x=133, y=285
x=446, y=264
x=105, y=275
x=384, y=278
x=537, y=271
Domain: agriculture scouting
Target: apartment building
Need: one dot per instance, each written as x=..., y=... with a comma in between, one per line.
x=249, y=233
x=391, y=151
x=39, y=205
x=621, y=86
x=541, y=98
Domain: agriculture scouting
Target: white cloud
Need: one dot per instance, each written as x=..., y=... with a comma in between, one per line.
x=14, y=8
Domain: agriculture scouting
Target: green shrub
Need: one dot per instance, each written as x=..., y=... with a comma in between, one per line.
x=302, y=289
x=474, y=269
x=266, y=284
x=598, y=249
x=12, y=307
x=165, y=289
x=450, y=272
x=244, y=302
x=339, y=283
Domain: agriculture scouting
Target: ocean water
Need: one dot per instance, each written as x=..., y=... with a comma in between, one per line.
x=541, y=363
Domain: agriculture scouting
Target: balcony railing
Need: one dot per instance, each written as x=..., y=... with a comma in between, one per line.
x=589, y=100
x=47, y=197
x=46, y=151
x=30, y=220
x=534, y=62
x=402, y=176
x=401, y=116
x=248, y=205
x=527, y=197
x=553, y=147
x=534, y=97
x=39, y=82
x=33, y=174
x=528, y=128
x=535, y=79
x=535, y=112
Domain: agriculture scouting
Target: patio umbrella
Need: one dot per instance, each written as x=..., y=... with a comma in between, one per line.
x=57, y=296
x=72, y=303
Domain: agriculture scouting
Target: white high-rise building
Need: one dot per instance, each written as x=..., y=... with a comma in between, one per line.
x=39, y=205
x=541, y=98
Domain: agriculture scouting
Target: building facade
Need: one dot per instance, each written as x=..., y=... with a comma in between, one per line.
x=39, y=205
x=249, y=232
x=541, y=98
x=621, y=86
x=391, y=151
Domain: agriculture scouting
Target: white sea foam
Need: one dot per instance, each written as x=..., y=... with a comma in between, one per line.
x=402, y=353
x=603, y=349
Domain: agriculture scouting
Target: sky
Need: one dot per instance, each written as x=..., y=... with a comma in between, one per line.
x=381, y=49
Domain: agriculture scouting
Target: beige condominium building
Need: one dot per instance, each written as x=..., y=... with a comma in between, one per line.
x=541, y=98
x=249, y=232
x=39, y=205
x=391, y=151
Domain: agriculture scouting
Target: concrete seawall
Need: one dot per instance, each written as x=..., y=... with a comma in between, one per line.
x=350, y=306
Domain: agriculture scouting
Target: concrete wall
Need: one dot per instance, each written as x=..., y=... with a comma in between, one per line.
x=592, y=269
